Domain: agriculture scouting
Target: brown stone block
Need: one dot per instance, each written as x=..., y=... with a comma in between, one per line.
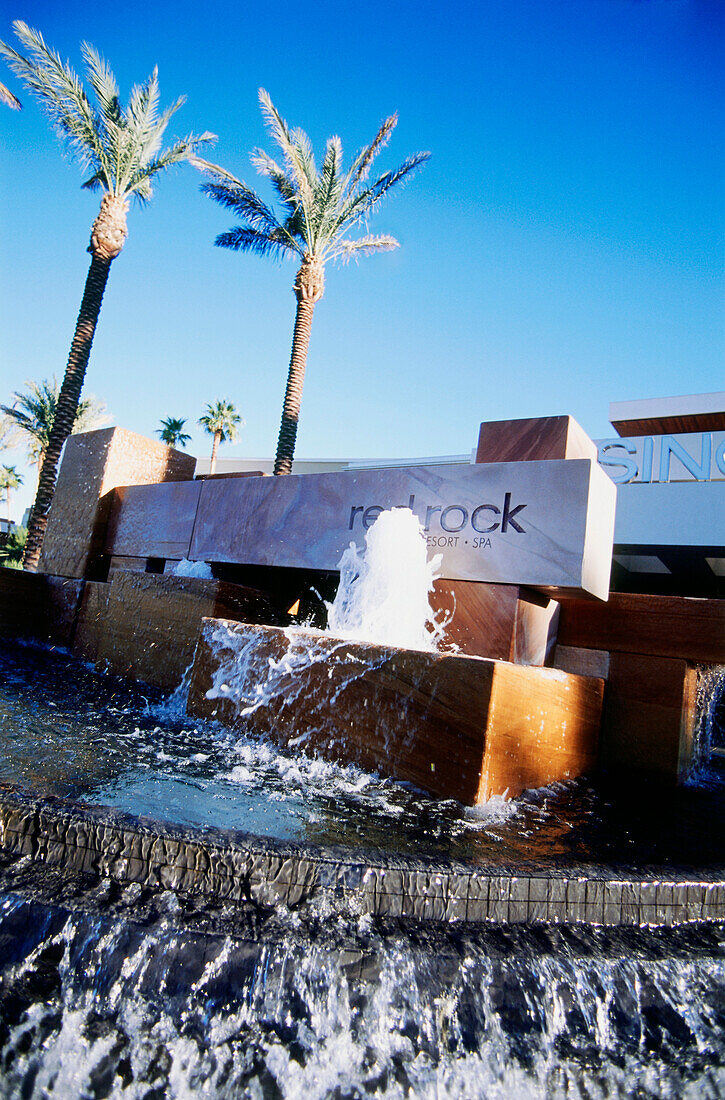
x=582, y=662
x=649, y=714
x=37, y=606
x=152, y=622
x=93, y=464
x=122, y=564
x=91, y=620
x=535, y=439
x=539, y=730
x=502, y=621
x=157, y=527
x=665, y=626
x=460, y=727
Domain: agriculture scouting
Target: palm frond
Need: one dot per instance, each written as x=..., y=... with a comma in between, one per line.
x=139, y=181
x=60, y=92
x=10, y=100
x=360, y=167
x=361, y=205
x=282, y=184
x=242, y=239
x=297, y=153
x=103, y=83
x=245, y=202
x=328, y=190
x=363, y=246
x=122, y=146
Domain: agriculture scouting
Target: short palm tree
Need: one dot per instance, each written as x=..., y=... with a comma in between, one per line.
x=172, y=432
x=10, y=480
x=31, y=417
x=222, y=421
x=122, y=148
x=319, y=210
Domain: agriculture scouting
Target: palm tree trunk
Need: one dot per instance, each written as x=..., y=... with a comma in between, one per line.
x=214, y=449
x=68, y=399
x=309, y=288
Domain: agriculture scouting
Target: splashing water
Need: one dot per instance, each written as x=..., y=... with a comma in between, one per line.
x=187, y=568
x=384, y=589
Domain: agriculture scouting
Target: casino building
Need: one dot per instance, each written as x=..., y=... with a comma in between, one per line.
x=668, y=462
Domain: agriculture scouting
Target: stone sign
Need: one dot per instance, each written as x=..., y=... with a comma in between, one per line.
x=544, y=524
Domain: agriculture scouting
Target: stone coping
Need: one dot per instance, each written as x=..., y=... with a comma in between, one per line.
x=224, y=865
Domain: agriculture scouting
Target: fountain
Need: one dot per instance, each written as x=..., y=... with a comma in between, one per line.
x=301, y=924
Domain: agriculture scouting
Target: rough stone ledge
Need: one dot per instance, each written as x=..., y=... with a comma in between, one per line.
x=233, y=866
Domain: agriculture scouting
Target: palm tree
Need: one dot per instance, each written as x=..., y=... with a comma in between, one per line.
x=222, y=421
x=319, y=209
x=172, y=432
x=10, y=480
x=30, y=418
x=121, y=146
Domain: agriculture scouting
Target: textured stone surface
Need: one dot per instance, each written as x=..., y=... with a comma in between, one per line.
x=91, y=620
x=581, y=662
x=38, y=607
x=152, y=622
x=661, y=626
x=501, y=621
x=95, y=463
x=649, y=714
x=400, y=712
x=164, y=531
x=218, y=864
x=527, y=440
x=541, y=524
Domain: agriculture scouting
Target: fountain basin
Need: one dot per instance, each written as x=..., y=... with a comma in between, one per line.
x=459, y=727
x=231, y=866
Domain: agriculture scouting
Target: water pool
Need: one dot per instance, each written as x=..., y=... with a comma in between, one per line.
x=125, y=991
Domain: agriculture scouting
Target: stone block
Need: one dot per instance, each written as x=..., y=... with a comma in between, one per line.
x=649, y=715
x=581, y=662
x=459, y=727
x=122, y=564
x=662, y=626
x=38, y=607
x=163, y=531
x=502, y=621
x=91, y=621
x=95, y=463
x=529, y=440
x=153, y=620
x=541, y=524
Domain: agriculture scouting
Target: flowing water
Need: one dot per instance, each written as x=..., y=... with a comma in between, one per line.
x=106, y=991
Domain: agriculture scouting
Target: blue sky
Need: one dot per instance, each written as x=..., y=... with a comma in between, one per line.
x=562, y=249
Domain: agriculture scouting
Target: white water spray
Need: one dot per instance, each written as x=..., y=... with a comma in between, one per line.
x=384, y=589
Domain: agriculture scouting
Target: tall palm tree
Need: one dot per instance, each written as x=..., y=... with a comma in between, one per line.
x=222, y=421
x=172, y=432
x=122, y=148
x=10, y=480
x=31, y=417
x=319, y=209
